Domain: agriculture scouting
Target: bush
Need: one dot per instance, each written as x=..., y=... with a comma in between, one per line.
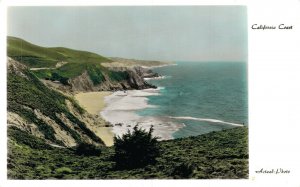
x=63, y=170
x=87, y=150
x=56, y=77
x=183, y=171
x=135, y=149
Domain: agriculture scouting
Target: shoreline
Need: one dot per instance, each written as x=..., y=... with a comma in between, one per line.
x=155, y=78
x=121, y=108
x=93, y=103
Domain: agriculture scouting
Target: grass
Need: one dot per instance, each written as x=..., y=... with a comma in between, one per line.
x=222, y=154
x=37, y=56
x=95, y=71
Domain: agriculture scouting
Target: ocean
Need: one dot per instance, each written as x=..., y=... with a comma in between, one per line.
x=204, y=96
x=193, y=98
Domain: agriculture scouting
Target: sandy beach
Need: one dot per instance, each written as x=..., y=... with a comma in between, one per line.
x=93, y=102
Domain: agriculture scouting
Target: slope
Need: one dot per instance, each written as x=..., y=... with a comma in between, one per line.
x=44, y=112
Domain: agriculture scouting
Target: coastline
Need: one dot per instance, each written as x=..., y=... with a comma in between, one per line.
x=119, y=108
x=99, y=104
x=93, y=103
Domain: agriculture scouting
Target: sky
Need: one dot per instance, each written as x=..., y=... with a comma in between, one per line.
x=168, y=33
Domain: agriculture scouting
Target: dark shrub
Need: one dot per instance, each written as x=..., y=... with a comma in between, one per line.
x=61, y=79
x=135, y=149
x=183, y=171
x=87, y=149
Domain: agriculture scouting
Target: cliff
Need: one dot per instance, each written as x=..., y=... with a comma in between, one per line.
x=129, y=78
x=46, y=113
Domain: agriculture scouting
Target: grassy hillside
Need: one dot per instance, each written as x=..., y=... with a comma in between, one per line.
x=222, y=154
x=26, y=94
x=37, y=56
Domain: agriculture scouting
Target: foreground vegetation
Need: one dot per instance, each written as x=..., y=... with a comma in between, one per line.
x=136, y=149
x=222, y=154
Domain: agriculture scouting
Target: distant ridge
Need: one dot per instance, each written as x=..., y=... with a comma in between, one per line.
x=117, y=61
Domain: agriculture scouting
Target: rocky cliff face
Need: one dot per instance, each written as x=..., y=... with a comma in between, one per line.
x=83, y=83
x=136, y=78
x=145, y=72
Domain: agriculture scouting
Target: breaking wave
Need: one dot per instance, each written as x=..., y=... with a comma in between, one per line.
x=207, y=120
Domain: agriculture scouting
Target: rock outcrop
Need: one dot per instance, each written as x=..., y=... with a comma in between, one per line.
x=83, y=83
x=16, y=67
x=145, y=72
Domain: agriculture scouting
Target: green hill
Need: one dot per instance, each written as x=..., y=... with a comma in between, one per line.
x=36, y=56
x=222, y=154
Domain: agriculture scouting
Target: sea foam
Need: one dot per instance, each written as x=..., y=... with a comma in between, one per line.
x=206, y=119
x=121, y=110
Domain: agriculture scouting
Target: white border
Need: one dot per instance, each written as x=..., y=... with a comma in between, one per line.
x=3, y=134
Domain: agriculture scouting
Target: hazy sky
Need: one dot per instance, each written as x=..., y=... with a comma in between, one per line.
x=191, y=33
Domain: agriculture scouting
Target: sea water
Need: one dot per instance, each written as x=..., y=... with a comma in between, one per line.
x=204, y=96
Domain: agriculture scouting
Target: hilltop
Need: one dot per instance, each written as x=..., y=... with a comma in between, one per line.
x=35, y=56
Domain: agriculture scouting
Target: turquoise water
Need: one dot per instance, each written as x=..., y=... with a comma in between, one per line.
x=214, y=90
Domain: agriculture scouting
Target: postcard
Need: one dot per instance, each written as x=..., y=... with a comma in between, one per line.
x=155, y=93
